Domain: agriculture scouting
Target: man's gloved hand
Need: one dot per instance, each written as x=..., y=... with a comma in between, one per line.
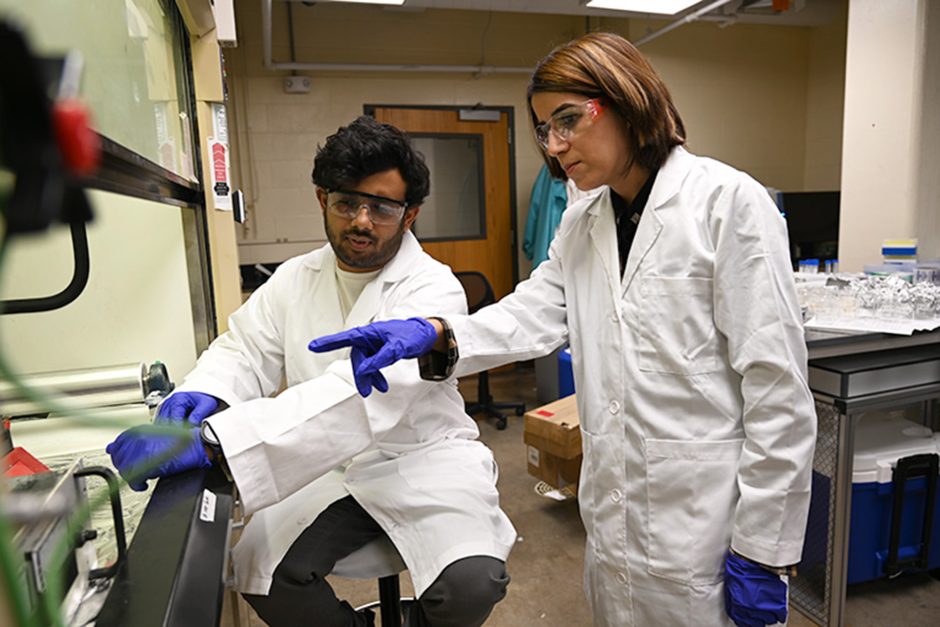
x=754, y=596
x=192, y=406
x=152, y=451
x=377, y=345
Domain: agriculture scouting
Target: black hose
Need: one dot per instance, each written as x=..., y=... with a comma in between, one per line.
x=71, y=291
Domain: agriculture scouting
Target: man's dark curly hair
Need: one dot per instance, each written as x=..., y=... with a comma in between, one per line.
x=365, y=147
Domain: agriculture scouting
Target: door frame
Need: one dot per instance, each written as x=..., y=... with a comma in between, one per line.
x=369, y=109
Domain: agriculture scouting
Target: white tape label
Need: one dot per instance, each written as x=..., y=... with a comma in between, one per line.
x=533, y=455
x=207, y=509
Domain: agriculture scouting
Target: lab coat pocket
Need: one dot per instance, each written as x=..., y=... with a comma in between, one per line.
x=676, y=326
x=449, y=465
x=691, y=495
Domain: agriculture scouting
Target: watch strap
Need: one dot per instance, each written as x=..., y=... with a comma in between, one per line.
x=438, y=366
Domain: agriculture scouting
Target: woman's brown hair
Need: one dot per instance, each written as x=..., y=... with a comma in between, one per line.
x=608, y=66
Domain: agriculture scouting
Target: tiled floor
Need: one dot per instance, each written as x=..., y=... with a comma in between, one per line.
x=546, y=564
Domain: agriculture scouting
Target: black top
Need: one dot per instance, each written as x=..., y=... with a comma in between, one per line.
x=628, y=217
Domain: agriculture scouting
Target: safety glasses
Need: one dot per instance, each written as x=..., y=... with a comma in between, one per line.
x=381, y=210
x=568, y=122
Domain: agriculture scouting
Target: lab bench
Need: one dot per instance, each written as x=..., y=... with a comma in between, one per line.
x=849, y=376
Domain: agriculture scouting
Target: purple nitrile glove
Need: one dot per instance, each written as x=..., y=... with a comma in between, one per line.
x=377, y=345
x=754, y=596
x=150, y=451
x=192, y=406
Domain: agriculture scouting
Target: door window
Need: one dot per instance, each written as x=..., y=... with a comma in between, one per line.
x=455, y=207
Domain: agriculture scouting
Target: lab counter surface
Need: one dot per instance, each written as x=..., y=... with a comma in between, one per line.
x=831, y=344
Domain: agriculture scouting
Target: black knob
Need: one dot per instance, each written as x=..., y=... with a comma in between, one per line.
x=158, y=380
x=86, y=535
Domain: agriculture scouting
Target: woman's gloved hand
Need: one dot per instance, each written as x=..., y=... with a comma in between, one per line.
x=151, y=451
x=754, y=596
x=192, y=406
x=377, y=345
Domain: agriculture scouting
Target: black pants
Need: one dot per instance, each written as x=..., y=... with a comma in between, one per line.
x=462, y=596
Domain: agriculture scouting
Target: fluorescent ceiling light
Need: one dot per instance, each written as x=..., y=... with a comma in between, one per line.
x=392, y=2
x=664, y=7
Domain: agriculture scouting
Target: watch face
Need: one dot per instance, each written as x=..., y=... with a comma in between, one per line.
x=208, y=435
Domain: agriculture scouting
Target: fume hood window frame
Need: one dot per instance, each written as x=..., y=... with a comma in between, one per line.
x=128, y=172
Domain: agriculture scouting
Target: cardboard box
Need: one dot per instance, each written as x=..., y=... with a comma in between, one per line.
x=553, y=438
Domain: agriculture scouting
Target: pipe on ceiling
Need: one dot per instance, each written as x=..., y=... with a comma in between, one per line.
x=686, y=19
x=271, y=64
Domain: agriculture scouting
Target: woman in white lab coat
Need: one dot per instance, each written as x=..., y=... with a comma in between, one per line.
x=674, y=290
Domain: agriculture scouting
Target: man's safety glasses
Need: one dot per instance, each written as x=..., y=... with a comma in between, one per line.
x=569, y=121
x=381, y=210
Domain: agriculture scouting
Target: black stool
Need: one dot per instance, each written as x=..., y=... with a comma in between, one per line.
x=377, y=560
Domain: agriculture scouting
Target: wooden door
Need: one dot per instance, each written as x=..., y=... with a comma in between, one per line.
x=491, y=249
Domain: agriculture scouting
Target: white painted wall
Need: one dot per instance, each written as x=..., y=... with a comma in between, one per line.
x=889, y=180
x=927, y=191
x=741, y=92
x=825, y=95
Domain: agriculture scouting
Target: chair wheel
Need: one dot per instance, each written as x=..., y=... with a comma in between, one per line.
x=501, y=424
x=520, y=411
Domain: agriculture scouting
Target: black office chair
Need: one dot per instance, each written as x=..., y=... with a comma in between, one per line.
x=479, y=295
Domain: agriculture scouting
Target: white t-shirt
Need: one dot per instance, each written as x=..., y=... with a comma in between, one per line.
x=350, y=286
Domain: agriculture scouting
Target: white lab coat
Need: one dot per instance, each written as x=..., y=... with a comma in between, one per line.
x=410, y=457
x=698, y=426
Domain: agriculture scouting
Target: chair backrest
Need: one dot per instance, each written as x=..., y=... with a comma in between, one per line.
x=478, y=289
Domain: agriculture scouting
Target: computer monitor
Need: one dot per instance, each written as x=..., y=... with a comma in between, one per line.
x=812, y=223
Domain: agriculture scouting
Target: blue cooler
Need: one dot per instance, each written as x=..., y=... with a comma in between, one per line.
x=565, y=374
x=895, y=523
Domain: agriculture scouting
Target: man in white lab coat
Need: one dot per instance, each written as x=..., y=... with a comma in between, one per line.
x=323, y=470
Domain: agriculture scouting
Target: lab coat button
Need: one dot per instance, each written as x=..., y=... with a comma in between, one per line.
x=614, y=407
x=616, y=495
x=622, y=578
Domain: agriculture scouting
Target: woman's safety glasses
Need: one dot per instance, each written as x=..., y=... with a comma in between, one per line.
x=569, y=121
x=381, y=210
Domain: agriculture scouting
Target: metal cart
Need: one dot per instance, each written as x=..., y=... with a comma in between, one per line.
x=851, y=375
